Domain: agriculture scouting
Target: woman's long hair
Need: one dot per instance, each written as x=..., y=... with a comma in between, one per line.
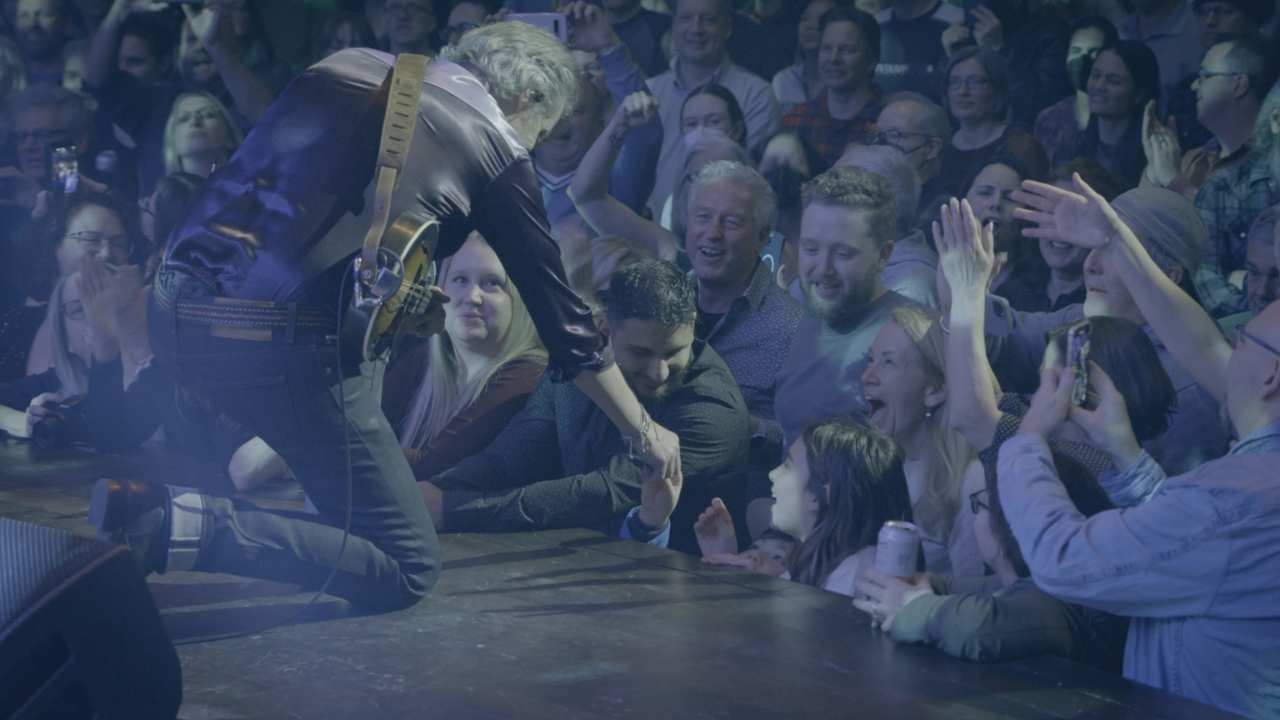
x=1143, y=68
x=446, y=390
x=72, y=371
x=949, y=453
x=856, y=475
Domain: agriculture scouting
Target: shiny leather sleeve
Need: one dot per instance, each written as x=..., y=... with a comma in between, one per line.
x=509, y=214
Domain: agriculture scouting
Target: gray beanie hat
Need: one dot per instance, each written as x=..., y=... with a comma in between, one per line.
x=1166, y=224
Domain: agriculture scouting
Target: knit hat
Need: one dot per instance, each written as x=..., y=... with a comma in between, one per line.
x=1166, y=224
x=1259, y=11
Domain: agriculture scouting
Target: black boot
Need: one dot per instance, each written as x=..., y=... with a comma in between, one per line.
x=133, y=513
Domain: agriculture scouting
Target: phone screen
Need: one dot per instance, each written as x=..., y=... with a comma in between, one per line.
x=64, y=169
x=1078, y=361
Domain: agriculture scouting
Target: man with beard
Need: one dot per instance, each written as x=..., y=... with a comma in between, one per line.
x=847, y=235
x=561, y=463
x=41, y=32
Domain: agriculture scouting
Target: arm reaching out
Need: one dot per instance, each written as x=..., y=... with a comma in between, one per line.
x=590, y=187
x=1086, y=219
x=966, y=258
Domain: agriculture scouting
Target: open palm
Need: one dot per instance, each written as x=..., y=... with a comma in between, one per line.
x=1084, y=218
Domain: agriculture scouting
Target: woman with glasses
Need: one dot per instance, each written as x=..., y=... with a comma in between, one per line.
x=73, y=228
x=1003, y=616
x=200, y=135
x=977, y=97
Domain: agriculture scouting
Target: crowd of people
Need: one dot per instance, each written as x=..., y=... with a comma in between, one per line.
x=842, y=250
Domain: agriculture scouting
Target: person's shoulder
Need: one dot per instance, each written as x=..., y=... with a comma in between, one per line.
x=708, y=377
x=736, y=76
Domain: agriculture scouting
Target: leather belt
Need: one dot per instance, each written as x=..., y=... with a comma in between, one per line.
x=250, y=319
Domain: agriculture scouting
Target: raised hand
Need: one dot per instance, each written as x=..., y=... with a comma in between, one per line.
x=658, y=498
x=211, y=25
x=638, y=108
x=1082, y=218
x=987, y=28
x=715, y=530
x=883, y=596
x=1160, y=143
x=1107, y=424
x=966, y=250
x=591, y=29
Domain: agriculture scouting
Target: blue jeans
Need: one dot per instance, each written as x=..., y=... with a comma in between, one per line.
x=291, y=394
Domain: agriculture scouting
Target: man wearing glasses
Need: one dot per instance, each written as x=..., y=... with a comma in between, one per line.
x=919, y=128
x=1191, y=559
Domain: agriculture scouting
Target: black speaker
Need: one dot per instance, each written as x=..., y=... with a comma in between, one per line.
x=80, y=635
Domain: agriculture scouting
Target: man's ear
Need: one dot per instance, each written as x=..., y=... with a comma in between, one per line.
x=1271, y=382
x=602, y=319
x=885, y=252
x=936, y=145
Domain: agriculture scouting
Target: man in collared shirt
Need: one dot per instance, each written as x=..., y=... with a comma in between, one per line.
x=847, y=109
x=1191, y=558
x=846, y=238
x=562, y=463
x=742, y=313
x=699, y=35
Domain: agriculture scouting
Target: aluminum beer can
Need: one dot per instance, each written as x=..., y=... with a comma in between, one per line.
x=897, y=548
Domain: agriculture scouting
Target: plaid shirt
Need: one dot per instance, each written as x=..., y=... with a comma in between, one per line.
x=828, y=136
x=1229, y=201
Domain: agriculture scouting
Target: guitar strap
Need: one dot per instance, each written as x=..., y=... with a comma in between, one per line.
x=398, y=124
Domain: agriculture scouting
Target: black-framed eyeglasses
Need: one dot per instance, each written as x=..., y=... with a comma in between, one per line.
x=978, y=501
x=896, y=138
x=1242, y=333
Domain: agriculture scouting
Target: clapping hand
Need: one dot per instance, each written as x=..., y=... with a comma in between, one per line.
x=211, y=25
x=966, y=250
x=715, y=531
x=883, y=596
x=987, y=28
x=1160, y=144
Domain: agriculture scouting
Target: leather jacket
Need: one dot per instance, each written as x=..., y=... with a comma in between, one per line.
x=282, y=219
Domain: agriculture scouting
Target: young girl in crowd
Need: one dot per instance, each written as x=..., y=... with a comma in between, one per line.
x=906, y=390
x=837, y=487
x=448, y=397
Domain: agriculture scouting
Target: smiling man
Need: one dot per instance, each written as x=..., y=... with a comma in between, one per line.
x=847, y=109
x=847, y=234
x=561, y=463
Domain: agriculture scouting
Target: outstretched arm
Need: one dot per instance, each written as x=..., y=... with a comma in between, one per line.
x=1086, y=219
x=590, y=186
x=966, y=258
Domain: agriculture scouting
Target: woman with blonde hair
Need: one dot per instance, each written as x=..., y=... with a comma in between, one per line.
x=905, y=386
x=199, y=135
x=449, y=396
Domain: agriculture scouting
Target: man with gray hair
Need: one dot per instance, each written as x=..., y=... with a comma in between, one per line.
x=43, y=117
x=913, y=266
x=243, y=310
x=742, y=313
x=847, y=235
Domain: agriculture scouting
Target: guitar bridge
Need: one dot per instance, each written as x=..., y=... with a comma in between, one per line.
x=385, y=284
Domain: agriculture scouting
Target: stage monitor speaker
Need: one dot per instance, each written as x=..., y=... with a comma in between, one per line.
x=80, y=635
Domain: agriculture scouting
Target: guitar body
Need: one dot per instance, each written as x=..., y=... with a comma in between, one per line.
x=398, y=301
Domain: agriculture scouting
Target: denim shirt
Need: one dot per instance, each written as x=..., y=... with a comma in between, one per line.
x=1196, y=565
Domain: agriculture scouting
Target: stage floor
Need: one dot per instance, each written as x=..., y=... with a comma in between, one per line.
x=566, y=624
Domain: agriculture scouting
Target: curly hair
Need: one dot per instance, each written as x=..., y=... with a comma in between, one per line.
x=857, y=189
x=517, y=60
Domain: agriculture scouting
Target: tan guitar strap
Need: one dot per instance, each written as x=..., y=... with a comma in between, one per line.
x=398, y=125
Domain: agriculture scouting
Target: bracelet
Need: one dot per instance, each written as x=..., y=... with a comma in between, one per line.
x=638, y=445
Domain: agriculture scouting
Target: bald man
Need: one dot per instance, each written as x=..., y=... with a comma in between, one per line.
x=1191, y=559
